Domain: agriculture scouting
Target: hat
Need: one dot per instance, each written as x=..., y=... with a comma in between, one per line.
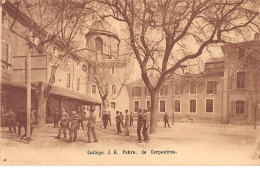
x=73, y=112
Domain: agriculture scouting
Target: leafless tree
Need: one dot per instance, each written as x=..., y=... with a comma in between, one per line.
x=110, y=85
x=165, y=34
x=53, y=25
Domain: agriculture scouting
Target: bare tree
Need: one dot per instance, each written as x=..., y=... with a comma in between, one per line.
x=165, y=34
x=110, y=84
x=54, y=25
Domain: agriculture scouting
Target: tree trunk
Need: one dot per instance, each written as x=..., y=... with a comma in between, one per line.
x=154, y=111
x=105, y=105
x=41, y=112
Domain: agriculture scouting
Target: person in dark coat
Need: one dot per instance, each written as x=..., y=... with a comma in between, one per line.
x=146, y=132
x=82, y=118
x=56, y=118
x=122, y=119
x=104, y=118
x=131, y=119
x=63, y=124
x=166, y=120
x=32, y=124
x=109, y=117
x=145, y=127
x=127, y=119
x=91, y=126
x=118, y=122
x=74, y=123
x=21, y=120
x=11, y=120
x=139, y=125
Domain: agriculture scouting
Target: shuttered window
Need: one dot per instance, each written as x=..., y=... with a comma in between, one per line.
x=211, y=87
x=241, y=80
x=193, y=106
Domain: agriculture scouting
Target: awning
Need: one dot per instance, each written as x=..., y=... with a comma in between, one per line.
x=72, y=94
x=55, y=90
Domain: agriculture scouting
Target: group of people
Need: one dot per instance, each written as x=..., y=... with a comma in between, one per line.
x=19, y=120
x=142, y=123
x=106, y=118
x=72, y=123
x=120, y=121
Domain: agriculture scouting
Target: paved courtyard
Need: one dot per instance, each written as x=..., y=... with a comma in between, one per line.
x=185, y=143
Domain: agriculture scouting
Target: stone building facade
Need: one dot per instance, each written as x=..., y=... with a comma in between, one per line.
x=70, y=87
x=226, y=92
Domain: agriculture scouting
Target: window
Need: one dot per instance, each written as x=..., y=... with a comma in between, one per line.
x=94, y=89
x=177, y=106
x=78, y=84
x=99, y=45
x=241, y=53
x=240, y=108
x=147, y=93
x=192, y=106
x=211, y=87
x=162, y=105
x=90, y=70
x=5, y=58
x=209, y=105
x=193, y=88
x=178, y=89
x=68, y=80
x=114, y=89
x=84, y=68
x=163, y=90
x=5, y=19
x=148, y=105
x=136, y=104
x=113, y=105
x=137, y=91
x=113, y=70
x=241, y=80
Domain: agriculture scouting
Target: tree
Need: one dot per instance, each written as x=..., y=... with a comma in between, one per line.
x=109, y=84
x=165, y=34
x=51, y=26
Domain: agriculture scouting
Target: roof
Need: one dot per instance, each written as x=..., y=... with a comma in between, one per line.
x=103, y=27
x=55, y=90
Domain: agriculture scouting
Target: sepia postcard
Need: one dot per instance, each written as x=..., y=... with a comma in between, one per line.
x=130, y=83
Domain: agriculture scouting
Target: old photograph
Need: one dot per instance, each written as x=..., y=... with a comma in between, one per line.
x=130, y=83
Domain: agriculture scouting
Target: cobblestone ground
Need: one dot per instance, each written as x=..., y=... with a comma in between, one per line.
x=189, y=143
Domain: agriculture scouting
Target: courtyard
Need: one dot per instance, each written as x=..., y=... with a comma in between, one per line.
x=182, y=144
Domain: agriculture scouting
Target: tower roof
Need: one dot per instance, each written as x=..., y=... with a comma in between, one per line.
x=103, y=27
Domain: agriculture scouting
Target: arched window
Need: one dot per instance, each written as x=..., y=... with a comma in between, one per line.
x=114, y=89
x=99, y=44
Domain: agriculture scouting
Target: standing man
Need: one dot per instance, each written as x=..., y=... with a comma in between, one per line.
x=104, y=119
x=21, y=119
x=122, y=119
x=127, y=119
x=74, y=123
x=63, y=124
x=139, y=125
x=91, y=126
x=131, y=119
x=56, y=118
x=11, y=119
x=166, y=120
x=82, y=117
x=118, y=122
x=109, y=117
x=145, y=126
x=32, y=124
